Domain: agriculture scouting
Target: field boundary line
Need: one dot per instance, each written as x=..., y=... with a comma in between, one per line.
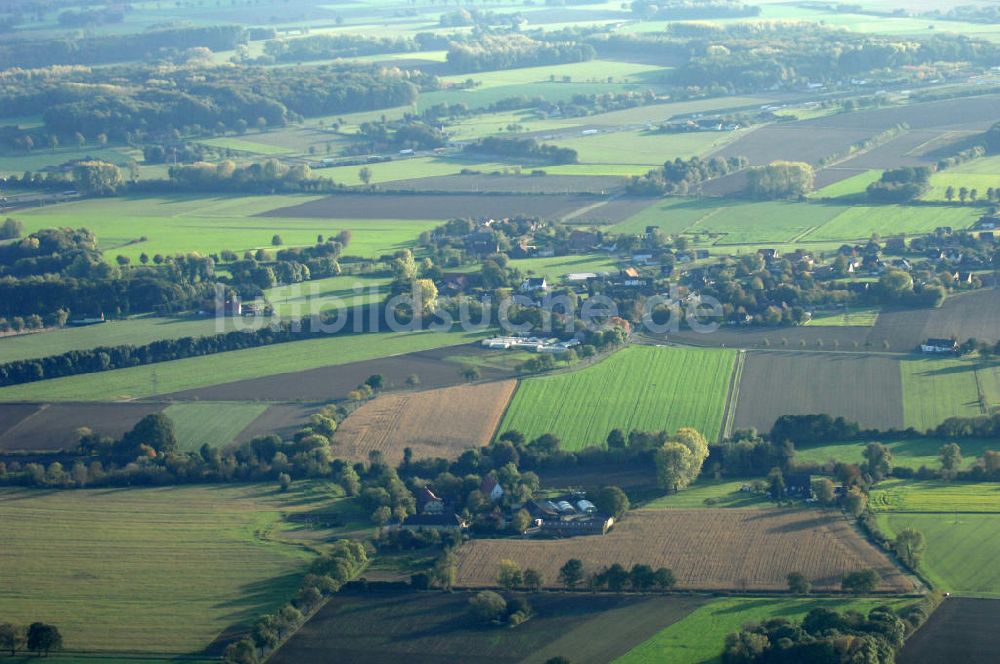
x=733, y=397
x=506, y=408
x=983, y=406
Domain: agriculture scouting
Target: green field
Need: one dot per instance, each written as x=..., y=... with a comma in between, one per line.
x=214, y=424
x=592, y=71
x=936, y=496
x=980, y=174
x=136, y=331
x=936, y=389
x=640, y=387
x=308, y=297
x=737, y=222
x=852, y=186
x=554, y=267
x=699, y=638
x=861, y=221
x=162, y=570
x=644, y=148
x=245, y=145
x=719, y=493
x=961, y=549
x=908, y=453
x=184, y=224
x=16, y=164
x=864, y=317
x=193, y=372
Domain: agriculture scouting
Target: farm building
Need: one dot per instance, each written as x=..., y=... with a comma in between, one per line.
x=428, y=503
x=532, y=284
x=567, y=516
x=939, y=346
x=491, y=488
x=535, y=344
x=450, y=521
x=798, y=484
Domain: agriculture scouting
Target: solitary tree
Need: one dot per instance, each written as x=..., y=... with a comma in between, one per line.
x=861, y=582
x=949, y=193
x=798, y=584
x=664, y=579
x=276, y=241
x=487, y=606
x=509, y=575
x=532, y=579
x=910, y=545
x=612, y=500
x=951, y=459
x=571, y=574
x=365, y=175
x=878, y=460
x=11, y=638
x=43, y=638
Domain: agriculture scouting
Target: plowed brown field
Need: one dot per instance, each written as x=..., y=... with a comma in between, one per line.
x=433, y=423
x=707, y=549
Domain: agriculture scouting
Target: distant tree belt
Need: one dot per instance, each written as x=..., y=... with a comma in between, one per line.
x=325, y=47
x=117, y=48
x=92, y=103
x=527, y=148
x=511, y=51
x=43, y=295
x=106, y=358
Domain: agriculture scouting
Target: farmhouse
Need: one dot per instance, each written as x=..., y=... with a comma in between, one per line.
x=798, y=484
x=532, y=284
x=939, y=346
x=567, y=516
x=491, y=488
x=428, y=503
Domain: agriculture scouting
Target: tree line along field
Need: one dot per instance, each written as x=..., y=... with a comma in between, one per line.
x=761, y=548
x=435, y=627
x=439, y=423
x=638, y=388
x=698, y=637
x=155, y=571
x=232, y=366
x=906, y=452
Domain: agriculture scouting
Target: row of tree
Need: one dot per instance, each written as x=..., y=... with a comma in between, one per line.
x=38, y=637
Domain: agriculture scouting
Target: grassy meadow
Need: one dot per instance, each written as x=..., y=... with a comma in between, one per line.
x=215, y=424
x=710, y=493
x=936, y=389
x=184, y=224
x=136, y=331
x=640, y=387
x=860, y=317
x=193, y=372
x=907, y=453
x=158, y=571
x=698, y=638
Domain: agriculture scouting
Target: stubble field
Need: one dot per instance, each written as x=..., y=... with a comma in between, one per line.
x=707, y=549
x=433, y=423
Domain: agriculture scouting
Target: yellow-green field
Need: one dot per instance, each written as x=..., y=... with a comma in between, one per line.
x=162, y=570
